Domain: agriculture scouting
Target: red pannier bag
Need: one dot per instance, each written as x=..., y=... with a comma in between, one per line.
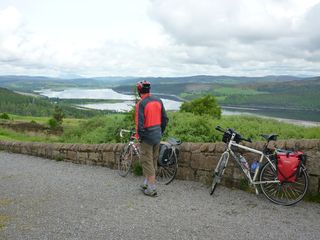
x=288, y=164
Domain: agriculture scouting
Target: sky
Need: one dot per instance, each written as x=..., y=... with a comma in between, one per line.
x=168, y=38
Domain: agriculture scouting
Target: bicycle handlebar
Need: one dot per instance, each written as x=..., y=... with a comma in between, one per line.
x=220, y=129
x=247, y=140
x=132, y=132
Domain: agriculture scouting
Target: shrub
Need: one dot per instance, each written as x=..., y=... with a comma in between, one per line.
x=206, y=105
x=189, y=127
x=4, y=116
x=98, y=129
x=53, y=124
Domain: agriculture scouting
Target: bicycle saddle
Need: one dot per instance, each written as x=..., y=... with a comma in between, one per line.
x=269, y=137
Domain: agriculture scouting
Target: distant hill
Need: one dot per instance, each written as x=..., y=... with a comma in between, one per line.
x=179, y=85
x=213, y=79
x=29, y=83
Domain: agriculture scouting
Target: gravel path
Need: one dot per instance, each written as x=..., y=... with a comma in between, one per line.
x=45, y=199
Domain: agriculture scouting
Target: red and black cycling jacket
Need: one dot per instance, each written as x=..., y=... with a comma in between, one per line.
x=151, y=119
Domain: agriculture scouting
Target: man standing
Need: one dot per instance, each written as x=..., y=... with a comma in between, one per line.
x=151, y=121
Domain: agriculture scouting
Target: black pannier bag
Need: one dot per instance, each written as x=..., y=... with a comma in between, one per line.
x=168, y=152
x=165, y=154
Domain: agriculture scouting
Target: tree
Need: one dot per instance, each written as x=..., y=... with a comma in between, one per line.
x=204, y=105
x=56, y=121
x=58, y=115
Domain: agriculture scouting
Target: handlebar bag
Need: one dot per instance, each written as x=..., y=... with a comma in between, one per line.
x=228, y=134
x=288, y=165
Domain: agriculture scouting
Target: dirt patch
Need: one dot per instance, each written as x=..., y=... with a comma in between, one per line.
x=30, y=127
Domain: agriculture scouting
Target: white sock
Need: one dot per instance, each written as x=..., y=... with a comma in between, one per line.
x=145, y=182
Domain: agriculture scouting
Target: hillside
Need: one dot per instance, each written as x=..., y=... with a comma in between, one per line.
x=14, y=103
x=301, y=94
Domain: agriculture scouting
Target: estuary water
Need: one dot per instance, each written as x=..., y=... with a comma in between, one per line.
x=126, y=103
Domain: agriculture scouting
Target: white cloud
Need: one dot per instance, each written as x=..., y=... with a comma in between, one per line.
x=172, y=38
x=237, y=32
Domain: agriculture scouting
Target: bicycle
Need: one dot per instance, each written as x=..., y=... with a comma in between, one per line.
x=282, y=193
x=166, y=168
x=130, y=150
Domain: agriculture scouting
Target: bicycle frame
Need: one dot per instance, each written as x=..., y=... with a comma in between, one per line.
x=253, y=180
x=131, y=143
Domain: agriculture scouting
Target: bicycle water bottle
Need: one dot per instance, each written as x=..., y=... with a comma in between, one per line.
x=254, y=166
x=244, y=163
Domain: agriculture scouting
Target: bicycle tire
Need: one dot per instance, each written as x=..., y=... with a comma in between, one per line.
x=125, y=161
x=285, y=193
x=218, y=172
x=167, y=173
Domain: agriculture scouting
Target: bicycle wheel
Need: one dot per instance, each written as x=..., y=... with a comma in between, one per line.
x=125, y=161
x=285, y=193
x=166, y=173
x=218, y=172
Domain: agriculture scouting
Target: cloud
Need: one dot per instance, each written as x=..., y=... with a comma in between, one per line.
x=26, y=52
x=232, y=37
x=240, y=32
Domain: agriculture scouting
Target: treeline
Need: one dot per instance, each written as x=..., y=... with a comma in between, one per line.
x=301, y=94
x=294, y=94
x=302, y=101
x=13, y=103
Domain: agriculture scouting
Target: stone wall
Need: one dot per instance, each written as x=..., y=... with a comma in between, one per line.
x=196, y=160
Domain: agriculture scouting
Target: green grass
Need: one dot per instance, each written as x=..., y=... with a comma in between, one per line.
x=29, y=118
x=137, y=168
x=44, y=120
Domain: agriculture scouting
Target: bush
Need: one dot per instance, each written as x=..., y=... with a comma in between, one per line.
x=53, y=124
x=98, y=129
x=189, y=127
x=4, y=116
x=206, y=105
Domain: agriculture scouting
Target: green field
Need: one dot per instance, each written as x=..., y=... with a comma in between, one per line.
x=226, y=91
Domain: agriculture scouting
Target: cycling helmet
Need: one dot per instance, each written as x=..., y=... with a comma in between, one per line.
x=143, y=87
